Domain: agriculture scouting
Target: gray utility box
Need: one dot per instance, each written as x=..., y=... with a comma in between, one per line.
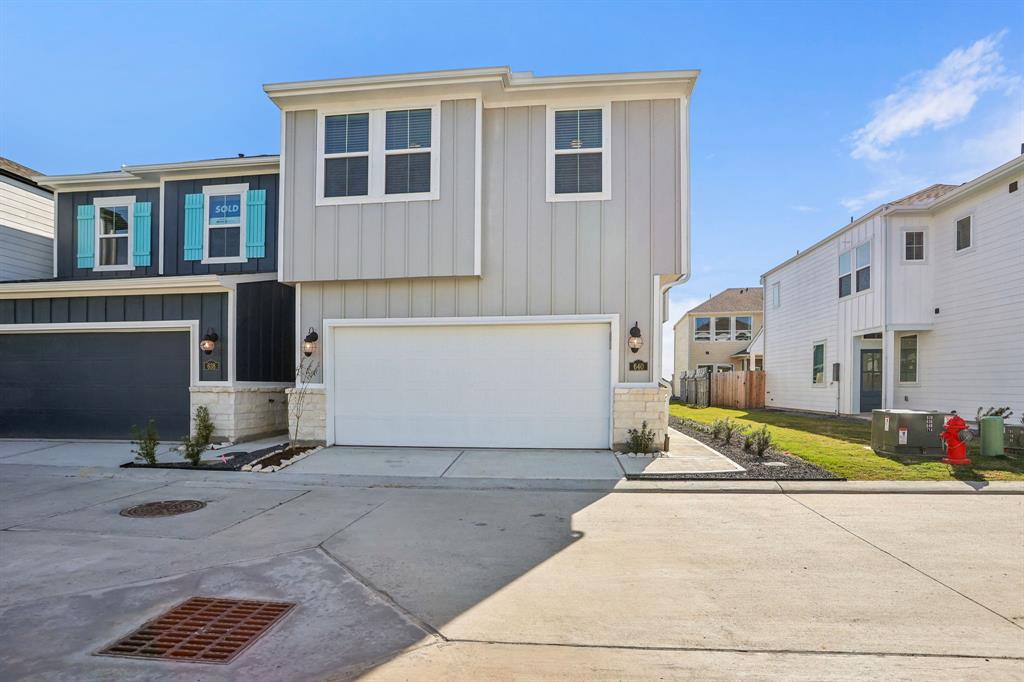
x=907, y=432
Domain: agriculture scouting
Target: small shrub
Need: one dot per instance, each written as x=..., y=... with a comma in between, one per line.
x=197, y=444
x=147, y=442
x=748, y=440
x=729, y=427
x=641, y=440
x=715, y=431
x=760, y=441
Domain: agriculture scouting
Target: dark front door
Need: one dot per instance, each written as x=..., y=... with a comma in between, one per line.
x=93, y=384
x=870, y=379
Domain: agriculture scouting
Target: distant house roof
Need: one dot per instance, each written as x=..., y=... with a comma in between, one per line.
x=925, y=196
x=735, y=300
x=13, y=169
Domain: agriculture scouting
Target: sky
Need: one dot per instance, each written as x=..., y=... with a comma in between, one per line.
x=804, y=115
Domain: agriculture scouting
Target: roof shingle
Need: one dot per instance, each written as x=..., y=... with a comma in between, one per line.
x=733, y=300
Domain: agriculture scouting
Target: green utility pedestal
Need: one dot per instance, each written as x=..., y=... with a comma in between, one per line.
x=992, y=437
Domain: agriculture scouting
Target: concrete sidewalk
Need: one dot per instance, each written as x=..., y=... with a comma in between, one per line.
x=686, y=455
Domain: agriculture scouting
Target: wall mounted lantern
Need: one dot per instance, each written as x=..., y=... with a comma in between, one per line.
x=209, y=342
x=309, y=343
x=635, y=341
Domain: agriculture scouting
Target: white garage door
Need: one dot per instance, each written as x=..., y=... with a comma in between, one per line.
x=515, y=386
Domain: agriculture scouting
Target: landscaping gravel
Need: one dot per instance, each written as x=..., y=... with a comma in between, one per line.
x=764, y=468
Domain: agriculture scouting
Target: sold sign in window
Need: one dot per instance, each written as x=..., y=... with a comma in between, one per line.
x=225, y=209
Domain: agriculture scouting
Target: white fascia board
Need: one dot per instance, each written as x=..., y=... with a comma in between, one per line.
x=190, y=284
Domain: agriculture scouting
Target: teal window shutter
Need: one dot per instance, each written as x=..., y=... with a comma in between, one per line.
x=86, y=235
x=256, y=224
x=193, y=227
x=142, y=234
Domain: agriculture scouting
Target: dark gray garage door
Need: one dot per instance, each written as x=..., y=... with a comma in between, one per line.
x=93, y=385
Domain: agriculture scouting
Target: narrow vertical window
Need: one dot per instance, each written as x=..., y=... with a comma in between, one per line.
x=908, y=359
x=224, y=222
x=845, y=273
x=114, y=217
x=963, y=233
x=407, y=150
x=578, y=149
x=346, y=155
x=776, y=295
x=863, y=257
x=913, y=245
x=818, y=364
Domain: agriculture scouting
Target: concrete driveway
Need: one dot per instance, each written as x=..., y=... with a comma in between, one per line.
x=453, y=582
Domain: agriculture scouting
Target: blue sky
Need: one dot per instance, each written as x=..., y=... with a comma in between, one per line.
x=805, y=113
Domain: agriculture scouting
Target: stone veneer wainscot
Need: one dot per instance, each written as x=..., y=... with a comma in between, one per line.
x=242, y=413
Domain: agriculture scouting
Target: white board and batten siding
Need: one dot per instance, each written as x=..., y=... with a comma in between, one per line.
x=537, y=257
x=26, y=231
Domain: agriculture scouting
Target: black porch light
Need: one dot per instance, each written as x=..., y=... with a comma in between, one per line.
x=209, y=342
x=635, y=341
x=309, y=343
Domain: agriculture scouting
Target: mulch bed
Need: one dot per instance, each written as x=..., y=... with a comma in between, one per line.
x=235, y=461
x=757, y=468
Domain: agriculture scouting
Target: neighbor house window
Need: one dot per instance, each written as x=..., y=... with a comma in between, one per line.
x=863, y=258
x=723, y=368
x=578, y=154
x=702, y=329
x=776, y=295
x=378, y=156
x=744, y=327
x=224, y=218
x=114, y=217
x=845, y=273
x=913, y=245
x=818, y=364
x=908, y=359
x=705, y=368
x=964, y=237
x=407, y=152
x=347, y=155
x=723, y=328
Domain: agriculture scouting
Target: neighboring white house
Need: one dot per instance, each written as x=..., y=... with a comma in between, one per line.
x=26, y=224
x=918, y=304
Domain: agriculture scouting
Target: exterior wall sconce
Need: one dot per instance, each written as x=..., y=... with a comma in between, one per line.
x=635, y=341
x=209, y=342
x=309, y=343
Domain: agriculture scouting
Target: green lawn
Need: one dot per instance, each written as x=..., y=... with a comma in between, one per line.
x=843, y=447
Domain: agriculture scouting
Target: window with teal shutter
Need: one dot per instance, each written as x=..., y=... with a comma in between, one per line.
x=142, y=233
x=256, y=224
x=86, y=235
x=193, y=227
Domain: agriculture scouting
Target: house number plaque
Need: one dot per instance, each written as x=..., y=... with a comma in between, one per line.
x=211, y=365
x=638, y=366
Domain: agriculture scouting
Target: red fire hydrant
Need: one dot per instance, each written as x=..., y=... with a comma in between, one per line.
x=956, y=446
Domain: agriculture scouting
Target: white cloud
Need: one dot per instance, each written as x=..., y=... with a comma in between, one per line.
x=869, y=199
x=802, y=208
x=934, y=99
x=996, y=146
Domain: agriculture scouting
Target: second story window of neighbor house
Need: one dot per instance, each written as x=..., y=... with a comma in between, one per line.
x=861, y=257
x=913, y=245
x=963, y=233
x=744, y=327
x=776, y=295
x=723, y=328
x=702, y=329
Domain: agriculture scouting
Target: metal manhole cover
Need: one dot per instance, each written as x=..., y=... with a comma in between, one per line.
x=201, y=630
x=165, y=508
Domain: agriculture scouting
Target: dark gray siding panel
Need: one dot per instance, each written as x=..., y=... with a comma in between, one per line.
x=174, y=227
x=67, y=233
x=93, y=384
x=24, y=255
x=211, y=310
x=265, y=322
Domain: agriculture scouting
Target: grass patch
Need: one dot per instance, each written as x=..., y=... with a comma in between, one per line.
x=843, y=446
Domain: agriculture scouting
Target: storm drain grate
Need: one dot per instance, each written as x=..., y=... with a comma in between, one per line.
x=165, y=508
x=201, y=630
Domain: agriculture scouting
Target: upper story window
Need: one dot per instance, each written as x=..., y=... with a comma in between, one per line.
x=702, y=329
x=723, y=328
x=378, y=156
x=407, y=152
x=855, y=269
x=224, y=218
x=346, y=155
x=114, y=218
x=776, y=295
x=964, y=233
x=744, y=328
x=578, y=165
x=913, y=245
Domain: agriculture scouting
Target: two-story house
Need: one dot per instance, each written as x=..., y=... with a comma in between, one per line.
x=918, y=304
x=717, y=334
x=26, y=224
x=163, y=296
x=484, y=255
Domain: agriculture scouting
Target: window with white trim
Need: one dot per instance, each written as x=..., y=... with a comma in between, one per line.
x=723, y=329
x=855, y=269
x=913, y=245
x=964, y=233
x=578, y=165
x=845, y=273
x=776, y=295
x=818, y=364
x=224, y=216
x=114, y=219
x=863, y=274
x=702, y=329
x=378, y=155
x=908, y=359
x=744, y=328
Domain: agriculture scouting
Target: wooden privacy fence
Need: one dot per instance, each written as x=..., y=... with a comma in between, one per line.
x=695, y=388
x=740, y=390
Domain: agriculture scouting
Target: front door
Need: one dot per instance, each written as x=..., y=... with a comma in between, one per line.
x=870, y=379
